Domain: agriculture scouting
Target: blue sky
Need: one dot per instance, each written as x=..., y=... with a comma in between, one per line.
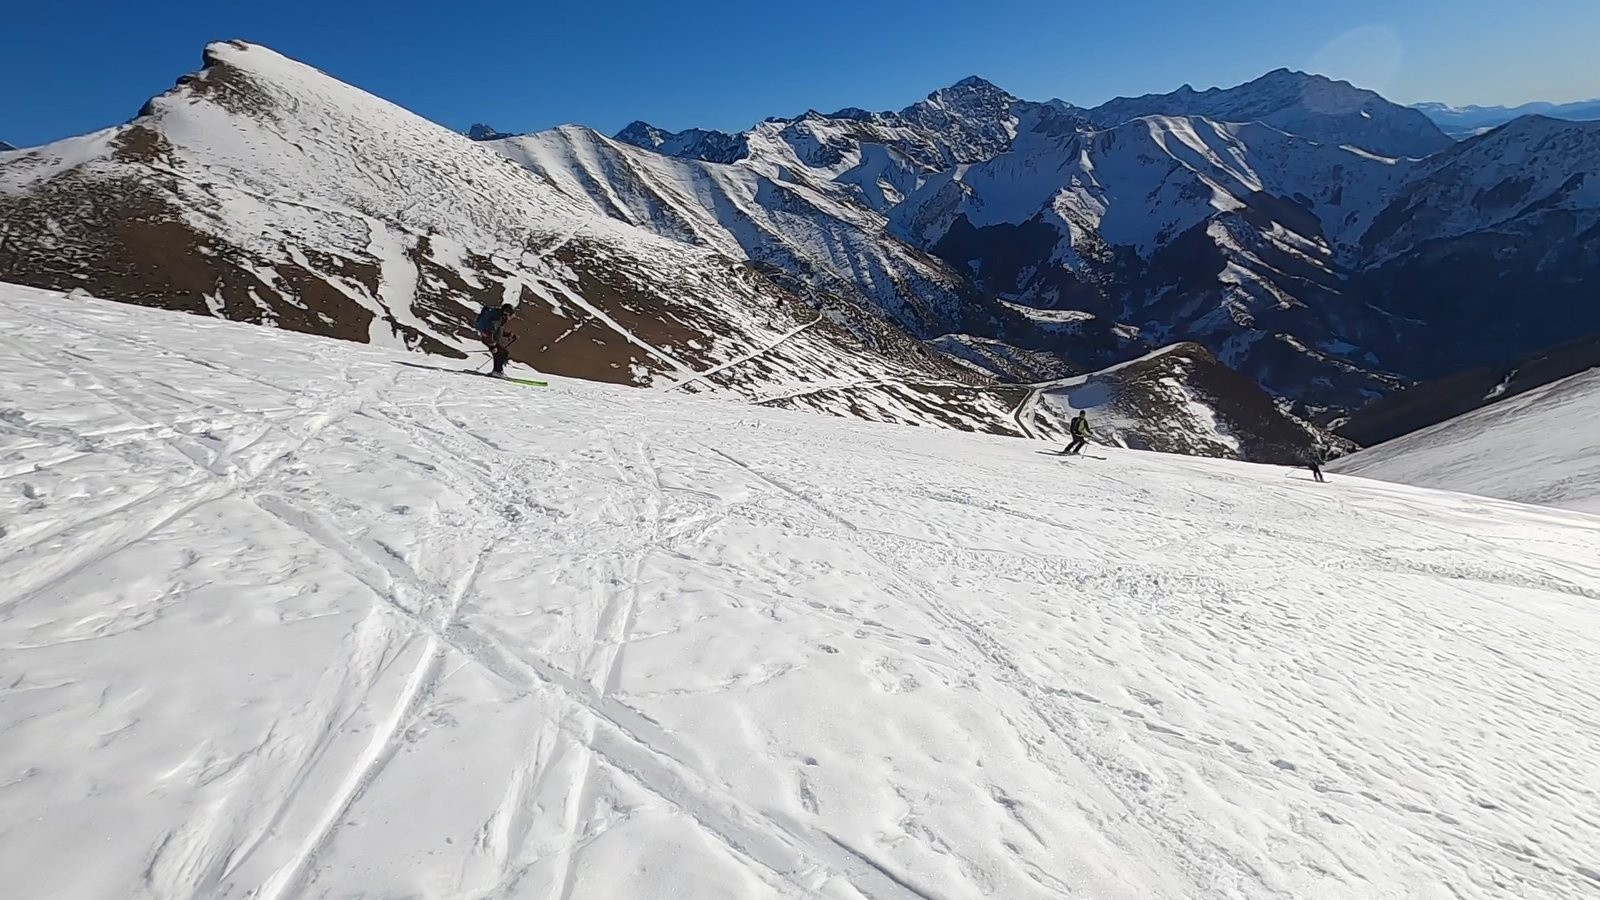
x=75, y=67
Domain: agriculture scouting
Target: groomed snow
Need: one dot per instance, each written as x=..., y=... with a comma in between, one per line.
x=286, y=617
x=1538, y=447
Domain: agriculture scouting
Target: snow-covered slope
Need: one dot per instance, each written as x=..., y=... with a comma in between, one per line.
x=1311, y=106
x=284, y=617
x=1145, y=182
x=1539, y=447
x=774, y=215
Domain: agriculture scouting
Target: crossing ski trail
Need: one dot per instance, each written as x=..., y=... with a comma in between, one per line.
x=293, y=618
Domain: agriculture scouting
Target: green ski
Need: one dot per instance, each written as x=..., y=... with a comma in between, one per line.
x=527, y=381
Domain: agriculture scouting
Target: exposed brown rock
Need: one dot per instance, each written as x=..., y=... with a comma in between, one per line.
x=138, y=144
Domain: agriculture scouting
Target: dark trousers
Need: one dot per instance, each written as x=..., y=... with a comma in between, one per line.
x=1077, y=445
x=1316, y=472
x=500, y=352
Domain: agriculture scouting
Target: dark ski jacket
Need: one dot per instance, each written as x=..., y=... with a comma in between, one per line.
x=494, y=332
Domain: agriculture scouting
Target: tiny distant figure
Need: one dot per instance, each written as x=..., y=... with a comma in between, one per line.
x=1080, y=434
x=492, y=331
x=1314, y=463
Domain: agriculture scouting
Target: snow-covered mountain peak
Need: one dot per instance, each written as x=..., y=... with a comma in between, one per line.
x=642, y=134
x=1312, y=106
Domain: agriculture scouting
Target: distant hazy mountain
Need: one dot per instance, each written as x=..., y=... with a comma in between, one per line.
x=1311, y=106
x=1466, y=121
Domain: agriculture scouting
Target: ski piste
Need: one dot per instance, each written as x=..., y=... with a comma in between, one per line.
x=530, y=382
x=319, y=618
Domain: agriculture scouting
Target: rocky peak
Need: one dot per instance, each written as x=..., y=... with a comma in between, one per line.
x=642, y=134
x=693, y=143
x=969, y=96
x=974, y=119
x=482, y=132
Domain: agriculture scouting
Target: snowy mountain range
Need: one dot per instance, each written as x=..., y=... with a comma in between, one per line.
x=1467, y=121
x=924, y=265
x=1271, y=222
x=248, y=192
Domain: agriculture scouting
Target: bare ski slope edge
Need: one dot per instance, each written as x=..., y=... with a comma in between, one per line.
x=284, y=617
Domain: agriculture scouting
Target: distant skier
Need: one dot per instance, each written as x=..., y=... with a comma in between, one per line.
x=1080, y=434
x=1314, y=463
x=492, y=323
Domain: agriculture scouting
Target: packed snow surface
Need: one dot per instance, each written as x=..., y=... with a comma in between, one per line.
x=1542, y=446
x=287, y=617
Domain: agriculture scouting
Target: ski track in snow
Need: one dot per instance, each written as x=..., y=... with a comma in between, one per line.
x=285, y=619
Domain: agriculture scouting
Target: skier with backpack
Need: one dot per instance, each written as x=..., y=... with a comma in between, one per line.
x=1080, y=434
x=492, y=331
